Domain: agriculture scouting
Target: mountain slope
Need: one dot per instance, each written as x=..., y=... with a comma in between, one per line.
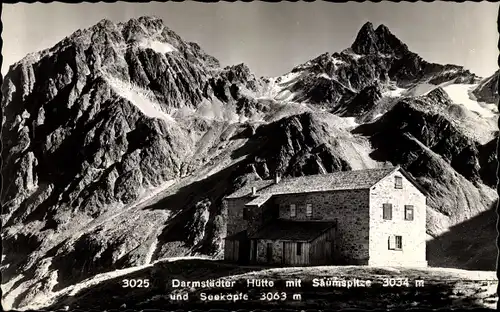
x=121, y=141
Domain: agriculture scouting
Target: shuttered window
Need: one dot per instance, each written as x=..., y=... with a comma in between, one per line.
x=395, y=242
x=387, y=211
x=309, y=210
x=409, y=212
x=299, y=249
x=398, y=182
x=399, y=242
x=392, y=242
x=293, y=211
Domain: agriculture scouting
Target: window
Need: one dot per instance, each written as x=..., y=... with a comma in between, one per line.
x=409, y=212
x=399, y=242
x=395, y=242
x=398, y=182
x=293, y=211
x=387, y=211
x=309, y=210
x=245, y=213
x=299, y=249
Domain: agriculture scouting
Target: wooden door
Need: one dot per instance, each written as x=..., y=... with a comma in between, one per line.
x=269, y=252
x=332, y=251
x=244, y=251
x=254, y=251
x=283, y=258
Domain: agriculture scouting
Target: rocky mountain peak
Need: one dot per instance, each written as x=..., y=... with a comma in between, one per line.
x=366, y=40
x=381, y=40
x=388, y=42
x=106, y=23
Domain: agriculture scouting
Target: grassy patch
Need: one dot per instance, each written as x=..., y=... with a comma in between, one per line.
x=441, y=289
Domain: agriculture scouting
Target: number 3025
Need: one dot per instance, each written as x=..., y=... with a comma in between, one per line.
x=135, y=283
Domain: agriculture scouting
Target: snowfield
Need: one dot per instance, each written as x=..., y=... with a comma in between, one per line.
x=461, y=94
x=420, y=89
x=275, y=89
x=140, y=98
x=157, y=46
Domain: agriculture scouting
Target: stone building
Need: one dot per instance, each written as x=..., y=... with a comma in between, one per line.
x=368, y=217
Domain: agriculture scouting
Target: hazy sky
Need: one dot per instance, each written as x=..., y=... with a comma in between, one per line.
x=272, y=38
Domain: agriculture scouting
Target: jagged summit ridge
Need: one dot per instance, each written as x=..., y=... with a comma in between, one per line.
x=376, y=57
x=380, y=40
x=142, y=32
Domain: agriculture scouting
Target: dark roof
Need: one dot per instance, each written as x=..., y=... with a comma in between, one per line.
x=292, y=230
x=238, y=236
x=247, y=188
x=341, y=180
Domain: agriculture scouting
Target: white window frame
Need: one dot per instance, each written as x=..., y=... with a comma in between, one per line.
x=396, y=185
x=412, y=209
x=309, y=210
x=393, y=242
x=400, y=241
x=390, y=211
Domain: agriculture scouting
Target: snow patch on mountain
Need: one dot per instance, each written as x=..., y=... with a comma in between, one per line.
x=352, y=55
x=285, y=95
x=288, y=78
x=139, y=97
x=460, y=94
x=394, y=92
x=337, y=61
x=349, y=122
x=323, y=75
x=10, y=293
x=216, y=110
x=275, y=87
x=157, y=46
x=420, y=89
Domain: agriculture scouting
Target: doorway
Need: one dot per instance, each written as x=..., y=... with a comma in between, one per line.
x=332, y=252
x=244, y=251
x=269, y=252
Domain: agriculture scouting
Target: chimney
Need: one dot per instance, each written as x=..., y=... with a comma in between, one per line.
x=277, y=178
x=254, y=190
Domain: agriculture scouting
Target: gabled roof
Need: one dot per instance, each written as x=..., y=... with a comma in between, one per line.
x=341, y=180
x=292, y=230
x=246, y=190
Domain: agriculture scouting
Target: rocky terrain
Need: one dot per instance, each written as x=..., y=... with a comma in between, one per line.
x=120, y=142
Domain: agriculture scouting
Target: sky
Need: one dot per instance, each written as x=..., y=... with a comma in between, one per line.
x=272, y=38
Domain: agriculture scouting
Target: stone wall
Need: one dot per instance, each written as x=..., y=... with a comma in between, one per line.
x=412, y=232
x=235, y=221
x=351, y=210
x=262, y=251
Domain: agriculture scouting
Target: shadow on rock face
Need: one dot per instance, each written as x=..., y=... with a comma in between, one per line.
x=470, y=245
